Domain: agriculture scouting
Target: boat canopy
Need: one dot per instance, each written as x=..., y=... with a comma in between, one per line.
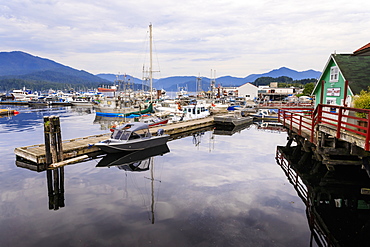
x=134, y=126
x=131, y=131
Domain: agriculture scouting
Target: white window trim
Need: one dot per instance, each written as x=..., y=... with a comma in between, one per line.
x=334, y=74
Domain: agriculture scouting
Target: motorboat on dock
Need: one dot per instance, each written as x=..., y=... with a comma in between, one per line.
x=131, y=137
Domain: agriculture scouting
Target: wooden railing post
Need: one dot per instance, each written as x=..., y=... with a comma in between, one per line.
x=367, y=133
x=291, y=120
x=339, y=121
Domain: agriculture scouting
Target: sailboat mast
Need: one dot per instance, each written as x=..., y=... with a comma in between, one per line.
x=151, y=62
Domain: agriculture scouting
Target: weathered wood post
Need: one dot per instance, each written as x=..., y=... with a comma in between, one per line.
x=47, y=130
x=53, y=140
x=54, y=154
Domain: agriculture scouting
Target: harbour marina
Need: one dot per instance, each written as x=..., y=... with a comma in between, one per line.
x=207, y=177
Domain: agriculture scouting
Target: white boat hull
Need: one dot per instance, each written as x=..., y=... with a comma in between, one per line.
x=115, y=146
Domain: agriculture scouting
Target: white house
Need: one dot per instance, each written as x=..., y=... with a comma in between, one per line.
x=248, y=91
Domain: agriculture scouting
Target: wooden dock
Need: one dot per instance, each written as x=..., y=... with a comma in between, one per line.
x=331, y=133
x=77, y=149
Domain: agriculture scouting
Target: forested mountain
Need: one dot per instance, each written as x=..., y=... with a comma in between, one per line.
x=19, y=69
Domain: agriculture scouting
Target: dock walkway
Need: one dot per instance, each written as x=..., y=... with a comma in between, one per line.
x=336, y=121
x=83, y=146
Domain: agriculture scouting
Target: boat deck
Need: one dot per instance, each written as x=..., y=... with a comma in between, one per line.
x=76, y=147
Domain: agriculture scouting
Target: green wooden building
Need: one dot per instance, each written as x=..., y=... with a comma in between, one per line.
x=344, y=76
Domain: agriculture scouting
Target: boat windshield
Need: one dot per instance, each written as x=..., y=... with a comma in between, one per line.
x=121, y=135
x=130, y=135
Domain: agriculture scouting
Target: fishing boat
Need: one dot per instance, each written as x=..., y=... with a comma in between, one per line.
x=131, y=137
x=152, y=120
x=105, y=90
x=122, y=112
x=23, y=95
x=190, y=112
x=82, y=102
x=124, y=105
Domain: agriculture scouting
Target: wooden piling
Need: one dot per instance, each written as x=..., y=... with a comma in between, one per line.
x=53, y=140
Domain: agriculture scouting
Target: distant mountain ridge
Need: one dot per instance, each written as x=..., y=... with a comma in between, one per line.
x=189, y=82
x=283, y=71
x=23, y=66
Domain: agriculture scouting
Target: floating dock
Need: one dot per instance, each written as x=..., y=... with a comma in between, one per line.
x=77, y=149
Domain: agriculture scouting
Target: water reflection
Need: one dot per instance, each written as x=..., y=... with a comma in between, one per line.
x=337, y=202
x=55, y=181
x=271, y=126
x=136, y=161
x=107, y=122
x=133, y=161
x=230, y=197
x=230, y=130
x=31, y=117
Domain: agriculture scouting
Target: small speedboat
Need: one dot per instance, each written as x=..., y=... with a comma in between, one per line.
x=131, y=137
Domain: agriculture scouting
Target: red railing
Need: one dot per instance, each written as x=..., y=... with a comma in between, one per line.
x=299, y=117
x=285, y=104
x=339, y=117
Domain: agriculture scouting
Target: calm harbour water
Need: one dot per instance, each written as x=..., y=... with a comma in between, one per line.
x=209, y=190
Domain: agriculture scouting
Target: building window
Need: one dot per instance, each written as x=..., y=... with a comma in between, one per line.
x=334, y=74
x=331, y=101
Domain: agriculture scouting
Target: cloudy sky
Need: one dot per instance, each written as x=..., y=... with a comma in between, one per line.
x=192, y=37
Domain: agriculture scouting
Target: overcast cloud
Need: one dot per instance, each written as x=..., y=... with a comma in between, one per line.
x=193, y=37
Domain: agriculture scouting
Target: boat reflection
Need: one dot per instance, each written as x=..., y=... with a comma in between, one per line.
x=133, y=161
x=230, y=130
x=107, y=123
x=137, y=161
x=337, y=202
x=129, y=161
x=271, y=126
